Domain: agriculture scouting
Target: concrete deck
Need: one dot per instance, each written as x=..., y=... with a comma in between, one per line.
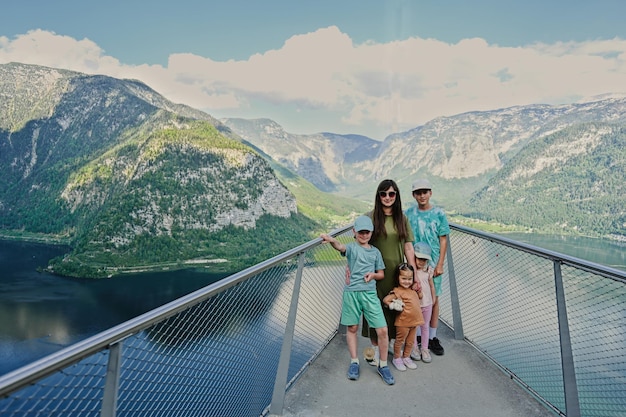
x=460, y=383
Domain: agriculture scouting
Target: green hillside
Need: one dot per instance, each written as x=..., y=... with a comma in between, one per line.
x=570, y=182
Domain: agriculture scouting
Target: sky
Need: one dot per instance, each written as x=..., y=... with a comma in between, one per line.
x=368, y=67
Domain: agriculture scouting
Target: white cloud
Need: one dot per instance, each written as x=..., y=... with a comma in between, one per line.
x=49, y=49
x=371, y=88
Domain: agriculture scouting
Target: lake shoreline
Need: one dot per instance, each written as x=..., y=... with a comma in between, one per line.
x=503, y=229
x=29, y=237
x=213, y=266
x=220, y=265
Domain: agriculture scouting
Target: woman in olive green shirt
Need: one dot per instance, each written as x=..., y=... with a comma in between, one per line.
x=393, y=237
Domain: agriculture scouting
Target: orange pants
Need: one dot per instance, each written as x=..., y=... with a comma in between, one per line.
x=404, y=336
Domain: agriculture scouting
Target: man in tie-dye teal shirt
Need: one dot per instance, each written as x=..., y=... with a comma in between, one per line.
x=430, y=225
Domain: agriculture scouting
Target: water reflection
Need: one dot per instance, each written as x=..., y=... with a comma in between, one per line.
x=42, y=313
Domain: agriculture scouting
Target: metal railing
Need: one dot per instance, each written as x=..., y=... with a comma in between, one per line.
x=555, y=324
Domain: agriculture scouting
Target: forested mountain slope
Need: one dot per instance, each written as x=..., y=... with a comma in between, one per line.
x=572, y=181
x=130, y=179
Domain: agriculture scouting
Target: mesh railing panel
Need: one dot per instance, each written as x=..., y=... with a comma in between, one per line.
x=196, y=360
x=596, y=309
x=508, y=307
x=76, y=391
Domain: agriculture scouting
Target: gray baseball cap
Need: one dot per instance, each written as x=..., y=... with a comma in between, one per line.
x=421, y=184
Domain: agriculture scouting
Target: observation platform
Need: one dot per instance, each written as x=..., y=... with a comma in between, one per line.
x=461, y=383
x=155, y=364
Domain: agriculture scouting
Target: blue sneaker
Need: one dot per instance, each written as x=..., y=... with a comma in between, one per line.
x=385, y=374
x=353, y=371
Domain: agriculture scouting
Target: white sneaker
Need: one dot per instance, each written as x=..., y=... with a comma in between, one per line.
x=399, y=364
x=426, y=358
x=371, y=355
x=409, y=363
x=416, y=355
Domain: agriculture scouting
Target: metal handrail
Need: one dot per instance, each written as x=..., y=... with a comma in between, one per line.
x=605, y=271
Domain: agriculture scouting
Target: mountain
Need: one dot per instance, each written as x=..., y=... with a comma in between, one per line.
x=129, y=178
x=570, y=181
x=467, y=156
x=456, y=152
x=460, y=153
x=324, y=159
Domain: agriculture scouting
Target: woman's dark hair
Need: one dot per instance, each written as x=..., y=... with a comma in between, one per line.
x=378, y=215
x=402, y=267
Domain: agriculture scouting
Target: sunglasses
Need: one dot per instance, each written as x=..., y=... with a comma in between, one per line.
x=383, y=194
x=405, y=267
x=420, y=192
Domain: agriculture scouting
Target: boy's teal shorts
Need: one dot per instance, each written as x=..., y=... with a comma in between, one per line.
x=357, y=303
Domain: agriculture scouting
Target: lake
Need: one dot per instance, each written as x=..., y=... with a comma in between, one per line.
x=42, y=313
x=601, y=251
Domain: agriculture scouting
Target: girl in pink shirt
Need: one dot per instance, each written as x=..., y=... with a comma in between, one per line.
x=424, y=275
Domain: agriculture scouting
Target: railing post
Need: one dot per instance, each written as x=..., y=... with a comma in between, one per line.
x=572, y=406
x=454, y=296
x=111, y=385
x=280, y=383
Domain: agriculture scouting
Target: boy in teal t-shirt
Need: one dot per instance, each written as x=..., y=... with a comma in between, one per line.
x=359, y=294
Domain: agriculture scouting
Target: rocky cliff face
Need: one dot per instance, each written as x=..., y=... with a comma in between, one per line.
x=476, y=143
x=179, y=186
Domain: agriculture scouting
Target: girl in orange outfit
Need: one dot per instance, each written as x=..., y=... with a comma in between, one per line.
x=407, y=319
